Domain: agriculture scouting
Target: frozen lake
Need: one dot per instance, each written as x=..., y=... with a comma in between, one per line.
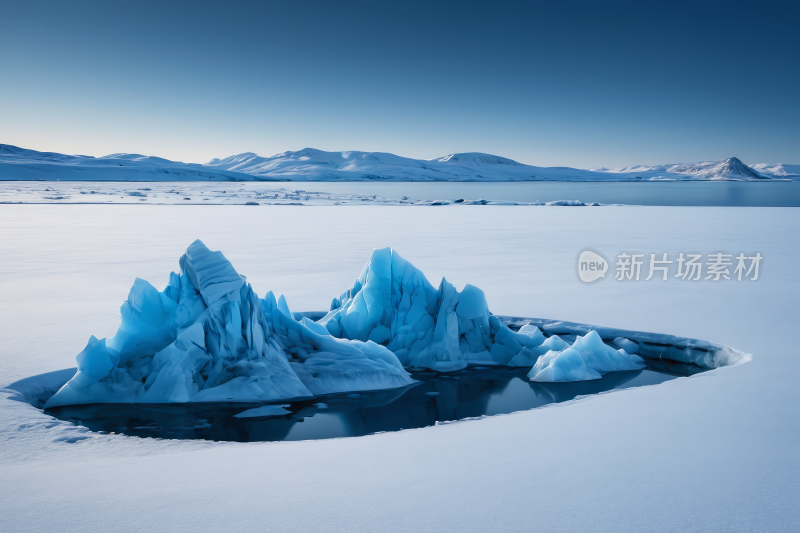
x=667, y=193
x=649, y=193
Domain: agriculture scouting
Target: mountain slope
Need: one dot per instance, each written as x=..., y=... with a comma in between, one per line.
x=22, y=164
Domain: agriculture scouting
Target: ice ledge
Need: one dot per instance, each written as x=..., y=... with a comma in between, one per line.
x=36, y=390
x=704, y=354
x=661, y=346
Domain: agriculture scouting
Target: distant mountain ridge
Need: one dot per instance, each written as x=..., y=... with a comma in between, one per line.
x=778, y=170
x=22, y=164
x=725, y=169
x=313, y=164
x=310, y=164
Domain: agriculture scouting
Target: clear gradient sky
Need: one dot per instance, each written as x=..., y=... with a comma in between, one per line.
x=580, y=84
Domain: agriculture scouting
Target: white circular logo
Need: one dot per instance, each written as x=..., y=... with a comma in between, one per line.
x=591, y=266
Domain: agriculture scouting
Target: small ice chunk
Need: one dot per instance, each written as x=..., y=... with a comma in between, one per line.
x=555, y=343
x=567, y=365
x=587, y=358
x=602, y=357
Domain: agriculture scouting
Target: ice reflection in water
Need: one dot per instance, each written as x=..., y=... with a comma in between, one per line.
x=472, y=392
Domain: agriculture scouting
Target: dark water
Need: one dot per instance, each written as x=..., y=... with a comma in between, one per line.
x=472, y=392
x=667, y=193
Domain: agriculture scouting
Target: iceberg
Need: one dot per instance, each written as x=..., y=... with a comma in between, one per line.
x=588, y=358
x=441, y=329
x=207, y=337
x=393, y=303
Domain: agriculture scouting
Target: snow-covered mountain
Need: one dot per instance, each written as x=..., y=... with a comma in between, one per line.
x=310, y=164
x=21, y=164
x=317, y=165
x=731, y=168
x=777, y=170
x=723, y=170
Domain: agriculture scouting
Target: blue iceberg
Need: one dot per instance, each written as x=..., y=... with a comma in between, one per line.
x=207, y=337
x=440, y=328
x=588, y=358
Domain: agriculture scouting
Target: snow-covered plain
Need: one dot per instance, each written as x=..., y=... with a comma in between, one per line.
x=715, y=451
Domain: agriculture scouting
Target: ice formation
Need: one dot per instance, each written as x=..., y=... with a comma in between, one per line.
x=442, y=329
x=588, y=358
x=207, y=337
x=326, y=364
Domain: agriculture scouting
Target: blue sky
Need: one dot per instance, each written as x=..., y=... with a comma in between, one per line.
x=579, y=84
